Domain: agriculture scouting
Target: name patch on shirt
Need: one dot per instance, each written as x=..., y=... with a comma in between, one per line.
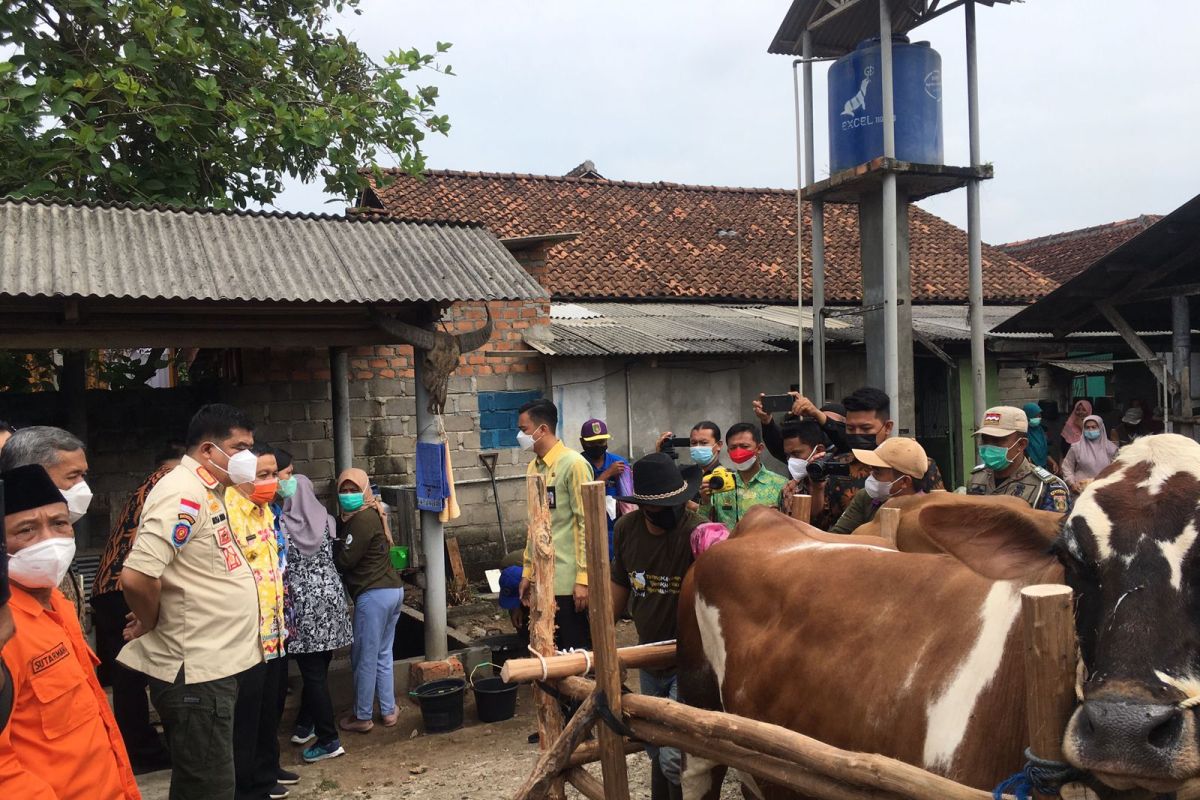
x=50, y=658
x=551, y=499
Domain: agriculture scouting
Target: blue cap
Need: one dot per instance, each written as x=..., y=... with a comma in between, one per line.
x=510, y=583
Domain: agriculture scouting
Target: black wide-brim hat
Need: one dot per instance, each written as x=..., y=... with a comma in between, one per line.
x=658, y=481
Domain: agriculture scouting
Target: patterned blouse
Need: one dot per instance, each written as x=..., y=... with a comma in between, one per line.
x=318, y=610
x=254, y=528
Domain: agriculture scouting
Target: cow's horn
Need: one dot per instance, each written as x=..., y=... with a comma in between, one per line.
x=473, y=340
x=419, y=338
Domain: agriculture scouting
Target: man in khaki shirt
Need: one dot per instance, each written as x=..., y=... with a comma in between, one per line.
x=194, y=602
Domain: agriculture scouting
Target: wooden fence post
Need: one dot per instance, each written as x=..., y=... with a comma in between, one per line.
x=802, y=507
x=541, y=616
x=1050, y=663
x=889, y=524
x=604, y=639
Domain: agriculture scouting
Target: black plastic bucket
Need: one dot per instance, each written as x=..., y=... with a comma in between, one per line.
x=441, y=704
x=503, y=646
x=495, y=700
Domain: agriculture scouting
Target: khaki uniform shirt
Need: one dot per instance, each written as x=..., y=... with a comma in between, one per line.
x=1037, y=487
x=208, y=617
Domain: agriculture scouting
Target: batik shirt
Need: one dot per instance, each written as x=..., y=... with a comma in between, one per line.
x=764, y=489
x=254, y=528
x=120, y=540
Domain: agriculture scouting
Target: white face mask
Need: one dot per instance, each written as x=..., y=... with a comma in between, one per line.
x=243, y=466
x=78, y=498
x=798, y=467
x=879, y=490
x=42, y=565
x=526, y=440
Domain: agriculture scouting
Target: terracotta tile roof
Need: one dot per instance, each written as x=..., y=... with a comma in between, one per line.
x=1062, y=256
x=651, y=241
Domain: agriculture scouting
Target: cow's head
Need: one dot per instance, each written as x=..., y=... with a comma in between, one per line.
x=1129, y=549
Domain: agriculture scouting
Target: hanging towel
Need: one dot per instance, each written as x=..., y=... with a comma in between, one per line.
x=432, y=490
x=451, y=511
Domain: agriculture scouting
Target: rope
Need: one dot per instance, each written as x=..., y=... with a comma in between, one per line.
x=1040, y=775
x=609, y=718
x=542, y=659
x=587, y=657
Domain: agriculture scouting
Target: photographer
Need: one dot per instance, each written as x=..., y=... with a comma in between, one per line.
x=704, y=448
x=752, y=483
x=836, y=480
x=803, y=443
x=897, y=467
x=830, y=419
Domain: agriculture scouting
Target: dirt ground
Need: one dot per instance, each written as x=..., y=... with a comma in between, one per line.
x=476, y=762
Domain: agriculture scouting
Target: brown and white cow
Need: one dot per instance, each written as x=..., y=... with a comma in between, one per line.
x=917, y=655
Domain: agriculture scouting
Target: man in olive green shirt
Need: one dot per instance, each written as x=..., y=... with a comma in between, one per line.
x=754, y=484
x=897, y=467
x=565, y=472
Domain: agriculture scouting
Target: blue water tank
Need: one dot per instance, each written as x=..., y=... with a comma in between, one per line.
x=856, y=104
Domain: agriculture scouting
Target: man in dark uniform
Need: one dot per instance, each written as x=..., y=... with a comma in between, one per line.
x=1005, y=469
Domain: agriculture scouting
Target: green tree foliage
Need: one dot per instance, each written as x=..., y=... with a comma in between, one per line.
x=200, y=102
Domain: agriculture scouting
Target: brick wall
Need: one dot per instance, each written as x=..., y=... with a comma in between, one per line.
x=287, y=393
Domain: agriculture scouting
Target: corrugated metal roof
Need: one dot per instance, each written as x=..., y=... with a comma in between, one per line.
x=51, y=248
x=848, y=23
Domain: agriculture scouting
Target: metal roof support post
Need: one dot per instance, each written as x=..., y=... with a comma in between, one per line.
x=339, y=384
x=817, y=241
x=1181, y=345
x=799, y=234
x=974, y=235
x=433, y=535
x=891, y=334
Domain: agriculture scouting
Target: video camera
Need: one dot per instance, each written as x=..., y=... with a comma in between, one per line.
x=669, y=445
x=720, y=480
x=826, y=468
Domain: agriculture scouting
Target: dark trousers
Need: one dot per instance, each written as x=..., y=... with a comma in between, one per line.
x=198, y=720
x=572, y=628
x=256, y=728
x=316, y=706
x=130, y=706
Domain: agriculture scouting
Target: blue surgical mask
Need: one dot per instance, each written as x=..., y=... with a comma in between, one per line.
x=701, y=454
x=1035, y=422
x=994, y=456
x=1092, y=435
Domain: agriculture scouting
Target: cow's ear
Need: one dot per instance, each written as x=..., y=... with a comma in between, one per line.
x=1000, y=538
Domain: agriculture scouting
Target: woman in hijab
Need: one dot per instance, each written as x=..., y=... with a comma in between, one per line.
x=362, y=556
x=1038, y=449
x=1072, y=432
x=1089, y=456
x=318, y=616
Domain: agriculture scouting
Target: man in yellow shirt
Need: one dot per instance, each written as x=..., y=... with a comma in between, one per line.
x=565, y=471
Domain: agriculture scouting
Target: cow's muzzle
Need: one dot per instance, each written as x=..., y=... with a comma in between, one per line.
x=1127, y=743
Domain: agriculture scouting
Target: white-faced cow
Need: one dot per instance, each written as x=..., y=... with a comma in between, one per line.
x=918, y=655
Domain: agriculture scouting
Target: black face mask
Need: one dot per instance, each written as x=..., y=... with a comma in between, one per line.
x=595, y=453
x=665, y=518
x=861, y=441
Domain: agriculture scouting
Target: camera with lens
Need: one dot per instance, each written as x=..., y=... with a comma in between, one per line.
x=720, y=480
x=827, y=468
x=669, y=446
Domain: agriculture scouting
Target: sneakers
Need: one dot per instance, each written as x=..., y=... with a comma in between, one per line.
x=286, y=778
x=302, y=735
x=279, y=792
x=320, y=752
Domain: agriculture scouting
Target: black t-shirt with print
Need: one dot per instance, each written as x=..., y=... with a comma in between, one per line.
x=652, y=568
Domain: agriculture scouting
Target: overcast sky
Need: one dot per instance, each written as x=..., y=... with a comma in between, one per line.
x=1089, y=108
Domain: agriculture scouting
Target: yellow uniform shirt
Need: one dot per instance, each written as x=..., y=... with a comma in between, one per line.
x=565, y=471
x=254, y=528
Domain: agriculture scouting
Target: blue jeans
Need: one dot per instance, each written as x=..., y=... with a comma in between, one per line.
x=668, y=757
x=376, y=612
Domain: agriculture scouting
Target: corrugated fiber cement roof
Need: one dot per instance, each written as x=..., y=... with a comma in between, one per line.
x=68, y=249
